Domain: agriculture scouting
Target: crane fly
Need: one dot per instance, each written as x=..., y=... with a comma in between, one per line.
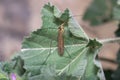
x=61, y=40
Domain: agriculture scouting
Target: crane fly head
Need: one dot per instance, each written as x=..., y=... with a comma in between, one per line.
x=61, y=28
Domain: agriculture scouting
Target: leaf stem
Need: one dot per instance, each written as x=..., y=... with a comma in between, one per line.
x=111, y=40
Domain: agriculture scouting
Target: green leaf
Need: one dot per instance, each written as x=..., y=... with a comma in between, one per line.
x=99, y=12
x=40, y=51
x=12, y=67
x=117, y=32
x=3, y=75
x=49, y=29
x=116, y=13
x=18, y=66
x=116, y=73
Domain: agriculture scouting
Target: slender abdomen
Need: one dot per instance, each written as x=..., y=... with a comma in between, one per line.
x=61, y=40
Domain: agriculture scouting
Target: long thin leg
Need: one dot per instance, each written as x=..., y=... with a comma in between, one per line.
x=69, y=57
x=67, y=52
x=48, y=54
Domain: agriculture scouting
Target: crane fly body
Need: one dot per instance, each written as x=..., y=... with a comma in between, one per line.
x=61, y=40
